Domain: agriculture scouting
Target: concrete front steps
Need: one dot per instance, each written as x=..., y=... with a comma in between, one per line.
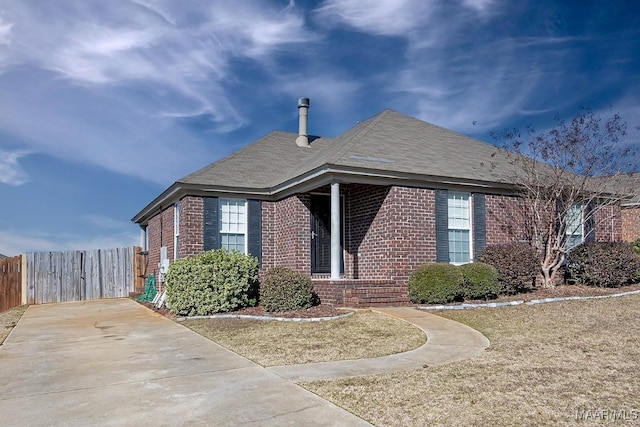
x=360, y=293
x=378, y=296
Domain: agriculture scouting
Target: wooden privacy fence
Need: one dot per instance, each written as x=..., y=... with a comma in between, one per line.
x=10, y=282
x=83, y=275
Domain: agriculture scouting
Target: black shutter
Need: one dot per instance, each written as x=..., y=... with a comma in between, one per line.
x=479, y=224
x=211, y=229
x=254, y=229
x=442, y=226
x=590, y=222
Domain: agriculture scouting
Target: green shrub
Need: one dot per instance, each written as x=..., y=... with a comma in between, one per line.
x=438, y=283
x=603, y=264
x=480, y=281
x=517, y=266
x=284, y=289
x=212, y=282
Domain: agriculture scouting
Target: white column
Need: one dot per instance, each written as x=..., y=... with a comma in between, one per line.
x=143, y=238
x=335, y=231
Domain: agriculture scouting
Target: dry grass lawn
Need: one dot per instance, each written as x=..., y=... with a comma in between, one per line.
x=9, y=319
x=271, y=343
x=546, y=365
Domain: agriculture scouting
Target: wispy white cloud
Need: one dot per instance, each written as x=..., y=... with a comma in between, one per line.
x=103, y=221
x=5, y=32
x=379, y=17
x=327, y=89
x=453, y=73
x=482, y=6
x=111, y=82
x=11, y=172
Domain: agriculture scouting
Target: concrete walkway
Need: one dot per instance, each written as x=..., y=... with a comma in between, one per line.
x=116, y=363
x=447, y=341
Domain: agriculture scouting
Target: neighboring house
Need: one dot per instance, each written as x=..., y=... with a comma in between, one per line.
x=631, y=212
x=357, y=212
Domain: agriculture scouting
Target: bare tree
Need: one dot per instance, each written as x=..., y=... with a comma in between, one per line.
x=569, y=179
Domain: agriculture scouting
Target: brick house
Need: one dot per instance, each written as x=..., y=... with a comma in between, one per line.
x=631, y=212
x=357, y=212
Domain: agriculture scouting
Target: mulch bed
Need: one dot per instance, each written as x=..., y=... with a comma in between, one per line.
x=560, y=291
x=328, y=311
x=309, y=313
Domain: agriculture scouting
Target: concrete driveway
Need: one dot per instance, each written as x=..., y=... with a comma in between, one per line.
x=114, y=362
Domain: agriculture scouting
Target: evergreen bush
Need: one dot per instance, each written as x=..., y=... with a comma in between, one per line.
x=610, y=264
x=436, y=283
x=480, y=281
x=284, y=289
x=212, y=282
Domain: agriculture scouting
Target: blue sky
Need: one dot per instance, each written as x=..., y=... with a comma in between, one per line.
x=104, y=104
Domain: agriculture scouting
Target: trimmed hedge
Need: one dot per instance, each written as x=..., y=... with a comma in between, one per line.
x=480, y=281
x=212, y=282
x=603, y=264
x=517, y=266
x=284, y=289
x=437, y=283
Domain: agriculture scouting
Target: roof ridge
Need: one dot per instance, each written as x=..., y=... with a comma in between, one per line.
x=367, y=125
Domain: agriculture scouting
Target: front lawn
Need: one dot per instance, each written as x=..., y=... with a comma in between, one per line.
x=547, y=364
x=270, y=343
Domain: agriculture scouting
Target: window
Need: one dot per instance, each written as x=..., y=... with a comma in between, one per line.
x=574, y=231
x=459, y=217
x=233, y=224
x=176, y=230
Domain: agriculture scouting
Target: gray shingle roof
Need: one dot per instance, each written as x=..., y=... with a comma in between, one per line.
x=388, y=146
x=389, y=141
x=263, y=164
x=630, y=184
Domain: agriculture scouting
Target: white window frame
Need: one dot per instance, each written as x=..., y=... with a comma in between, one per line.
x=245, y=230
x=570, y=227
x=176, y=230
x=469, y=197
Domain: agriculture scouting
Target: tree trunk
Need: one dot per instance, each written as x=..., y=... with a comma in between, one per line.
x=547, y=277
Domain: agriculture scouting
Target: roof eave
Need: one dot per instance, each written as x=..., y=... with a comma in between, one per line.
x=318, y=177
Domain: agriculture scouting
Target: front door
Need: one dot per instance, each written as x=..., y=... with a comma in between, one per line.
x=321, y=234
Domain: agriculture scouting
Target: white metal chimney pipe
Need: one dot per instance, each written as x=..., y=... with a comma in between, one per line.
x=303, y=111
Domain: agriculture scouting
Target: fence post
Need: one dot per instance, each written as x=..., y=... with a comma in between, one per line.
x=23, y=280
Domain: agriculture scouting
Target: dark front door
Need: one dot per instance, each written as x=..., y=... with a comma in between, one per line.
x=321, y=234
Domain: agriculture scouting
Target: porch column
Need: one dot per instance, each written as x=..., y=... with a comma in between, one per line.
x=335, y=231
x=143, y=238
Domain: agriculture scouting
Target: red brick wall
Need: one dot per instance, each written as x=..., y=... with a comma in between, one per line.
x=407, y=225
x=191, y=226
x=365, y=231
x=608, y=221
x=505, y=220
x=160, y=232
x=286, y=233
x=630, y=222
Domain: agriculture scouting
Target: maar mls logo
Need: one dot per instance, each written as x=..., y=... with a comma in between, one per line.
x=607, y=414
